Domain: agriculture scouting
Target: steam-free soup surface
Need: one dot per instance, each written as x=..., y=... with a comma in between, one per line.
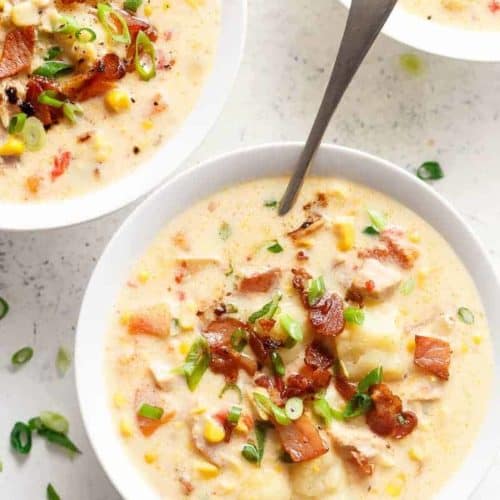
x=348, y=332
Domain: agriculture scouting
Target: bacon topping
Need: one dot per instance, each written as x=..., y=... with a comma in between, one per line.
x=301, y=440
x=136, y=24
x=345, y=388
x=316, y=356
x=299, y=282
x=45, y=113
x=17, y=51
x=313, y=223
x=386, y=417
x=433, y=355
x=327, y=315
x=61, y=164
x=263, y=345
x=355, y=295
x=262, y=282
x=362, y=463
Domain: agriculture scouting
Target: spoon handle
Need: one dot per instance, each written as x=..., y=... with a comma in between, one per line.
x=366, y=19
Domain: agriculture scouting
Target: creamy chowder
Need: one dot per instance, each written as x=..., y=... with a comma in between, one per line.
x=481, y=15
x=339, y=352
x=89, y=90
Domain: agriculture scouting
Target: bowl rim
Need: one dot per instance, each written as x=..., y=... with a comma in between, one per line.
x=439, y=39
x=229, y=169
x=52, y=214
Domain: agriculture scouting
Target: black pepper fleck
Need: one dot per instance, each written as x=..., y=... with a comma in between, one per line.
x=11, y=93
x=27, y=108
x=136, y=150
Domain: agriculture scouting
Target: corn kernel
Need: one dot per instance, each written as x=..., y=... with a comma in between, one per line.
x=186, y=323
x=143, y=277
x=416, y=454
x=148, y=10
x=117, y=100
x=213, y=431
x=102, y=148
x=242, y=427
x=206, y=469
x=395, y=487
x=125, y=318
x=125, y=428
x=184, y=347
x=464, y=348
x=195, y=3
x=119, y=400
x=316, y=468
x=414, y=236
x=198, y=410
x=33, y=184
x=304, y=243
x=12, y=147
x=150, y=457
x=410, y=346
x=477, y=338
x=346, y=235
x=422, y=275
x=147, y=124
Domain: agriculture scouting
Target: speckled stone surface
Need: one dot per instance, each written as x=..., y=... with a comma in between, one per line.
x=449, y=113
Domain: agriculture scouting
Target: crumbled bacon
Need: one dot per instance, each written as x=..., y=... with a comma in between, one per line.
x=299, y=282
x=316, y=356
x=313, y=223
x=61, y=164
x=301, y=440
x=308, y=381
x=362, y=463
x=301, y=255
x=266, y=324
x=262, y=345
x=433, y=355
x=355, y=295
x=17, y=51
x=136, y=24
x=320, y=201
x=345, y=388
x=386, y=417
x=261, y=282
x=327, y=315
x=273, y=385
x=45, y=113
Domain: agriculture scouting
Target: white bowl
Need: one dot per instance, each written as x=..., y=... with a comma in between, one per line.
x=439, y=39
x=52, y=214
x=141, y=227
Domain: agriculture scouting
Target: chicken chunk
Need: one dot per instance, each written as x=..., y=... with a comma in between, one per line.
x=376, y=279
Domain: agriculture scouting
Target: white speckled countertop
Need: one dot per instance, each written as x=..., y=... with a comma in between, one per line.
x=449, y=113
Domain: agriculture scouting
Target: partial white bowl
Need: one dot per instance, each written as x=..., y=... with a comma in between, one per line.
x=53, y=214
x=439, y=39
x=141, y=227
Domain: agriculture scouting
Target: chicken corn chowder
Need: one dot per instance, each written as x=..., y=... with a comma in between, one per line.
x=89, y=89
x=339, y=352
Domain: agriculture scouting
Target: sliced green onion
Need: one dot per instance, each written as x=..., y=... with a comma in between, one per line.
x=224, y=231
x=322, y=409
x=20, y=438
x=411, y=63
x=63, y=361
x=35, y=424
x=53, y=69
x=70, y=111
x=234, y=414
x=278, y=365
x=359, y=404
x=58, y=438
x=229, y=386
x=271, y=203
x=373, y=377
x=465, y=315
x=250, y=453
x=117, y=31
x=4, y=308
x=371, y=230
x=254, y=452
x=85, y=35
x=52, y=53
x=52, y=493
x=378, y=219
x=66, y=25
x=33, y=134
x=16, y=123
x=149, y=411
x=354, y=315
x=144, y=47
x=22, y=356
x=196, y=363
x=292, y=327
x=54, y=421
x=275, y=247
x=294, y=408
x=316, y=290
x=48, y=97
x=231, y=309
x=268, y=310
x=430, y=171
x=132, y=5
x=239, y=339
x=271, y=408
x=408, y=286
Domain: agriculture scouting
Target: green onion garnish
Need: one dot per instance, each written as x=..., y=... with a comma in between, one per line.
x=430, y=171
x=278, y=365
x=234, y=414
x=85, y=35
x=373, y=377
x=316, y=290
x=271, y=203
x=33, y=134
x=4, y=308
x=354, y=315
x=113, y=23
x=144, y=47
x=132, y=5
x=378, y=220
x=370, y=230
x=271, y=408
x=66, y=25
x=254, y=452
x=22, y=356
x=52, y=53
x=408, y=286
x=224, y=231
x=196, y=363
x=20, y=438
x=53, y=69
x=268, y=310
x=54, y=421
x=229, y=386
x=58, y=438
x=275, y=247
x=361, y=402
x=70, y=111
x=292, y=327
x=322, y=409
x=63, y=361
x=48, y=97
x=294, y=408
x=250, y=453
x=52, y=493
x=151, y=412
x=239, y=339
x=231, y=309
x=16, y=123
x=465, y=315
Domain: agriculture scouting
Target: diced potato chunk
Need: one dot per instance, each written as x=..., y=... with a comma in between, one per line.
x=383, y=277
x=162, y=374
x=25, y=14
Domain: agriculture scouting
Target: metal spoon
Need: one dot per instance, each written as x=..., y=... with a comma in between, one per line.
x=366, y=19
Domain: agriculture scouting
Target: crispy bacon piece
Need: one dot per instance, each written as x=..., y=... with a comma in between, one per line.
x=313, y=223
x=362, y=463
x=299, y=282
x=136, y=24
x=327, y=315
x=301, y=440
x=61, y=164
x=45, y=113
x=97, y=81
x=433, y=355
x=308, y=381
x=355, y=295
x=316, y=356
x=274, y=386
x=345, y=388
x=386, y=417
x=262, y=345
x=262, y=282
x=17, y=51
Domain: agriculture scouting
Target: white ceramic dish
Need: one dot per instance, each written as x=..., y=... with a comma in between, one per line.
x=145, y=222
x=439, y=39
x=47, y=215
